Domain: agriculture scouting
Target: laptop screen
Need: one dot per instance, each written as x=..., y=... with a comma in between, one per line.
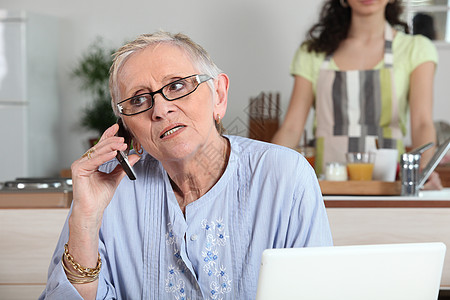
x=391, y=271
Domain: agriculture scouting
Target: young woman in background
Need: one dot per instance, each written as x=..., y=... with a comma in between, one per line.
x=361, y=74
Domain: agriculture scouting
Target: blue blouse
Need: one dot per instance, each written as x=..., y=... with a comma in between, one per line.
x=268, y=197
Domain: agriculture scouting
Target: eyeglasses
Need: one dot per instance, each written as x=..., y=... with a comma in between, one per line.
x=175, y=90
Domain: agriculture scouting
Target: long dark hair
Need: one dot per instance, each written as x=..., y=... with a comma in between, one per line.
x=334, y=23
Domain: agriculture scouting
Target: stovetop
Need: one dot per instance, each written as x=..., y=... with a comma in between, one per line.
x=38, y=184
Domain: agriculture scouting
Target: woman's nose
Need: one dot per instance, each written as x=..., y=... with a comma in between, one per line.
x=161, y=107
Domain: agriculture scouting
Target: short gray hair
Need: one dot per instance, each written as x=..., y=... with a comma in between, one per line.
x=200, y=58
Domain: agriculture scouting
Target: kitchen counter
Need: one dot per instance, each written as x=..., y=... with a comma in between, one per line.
x=36, y=199
x=424, y=199
x=36, y=193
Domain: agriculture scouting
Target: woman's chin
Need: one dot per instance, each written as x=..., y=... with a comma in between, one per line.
x=178, y=153
x=195, y=147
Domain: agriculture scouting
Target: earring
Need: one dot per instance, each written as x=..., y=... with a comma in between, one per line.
x=343, y=3
x=138, y=148
x=219, y=125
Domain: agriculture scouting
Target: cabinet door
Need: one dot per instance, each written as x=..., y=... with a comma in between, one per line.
x=28, y=238
x=12, y=60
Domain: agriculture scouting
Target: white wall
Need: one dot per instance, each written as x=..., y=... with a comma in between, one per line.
x=253, y=41
x=441, y=109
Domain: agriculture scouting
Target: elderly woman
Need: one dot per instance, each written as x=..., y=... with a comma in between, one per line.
x=204, y=206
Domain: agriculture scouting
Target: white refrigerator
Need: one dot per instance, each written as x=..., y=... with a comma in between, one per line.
x=29, y=105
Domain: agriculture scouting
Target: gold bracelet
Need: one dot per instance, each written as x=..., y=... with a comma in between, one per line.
x=81, y=281
x=76, y=278
x=83, y=275
x=71, y=273
x=84, y=272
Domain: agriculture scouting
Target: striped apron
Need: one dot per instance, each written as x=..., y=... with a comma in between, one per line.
x=356, y=108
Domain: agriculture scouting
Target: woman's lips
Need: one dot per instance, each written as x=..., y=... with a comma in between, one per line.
x=171, y=131
x=368, y=2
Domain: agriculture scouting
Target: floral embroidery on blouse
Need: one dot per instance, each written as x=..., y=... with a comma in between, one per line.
x=175, y=285
x=220, y=282
x=216, y=236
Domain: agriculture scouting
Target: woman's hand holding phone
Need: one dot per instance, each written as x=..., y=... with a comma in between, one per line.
x=92, y=189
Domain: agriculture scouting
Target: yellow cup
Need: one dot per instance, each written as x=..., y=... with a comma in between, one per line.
x=360, y=165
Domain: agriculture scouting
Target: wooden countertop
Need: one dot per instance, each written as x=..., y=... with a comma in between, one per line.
x=36, y=199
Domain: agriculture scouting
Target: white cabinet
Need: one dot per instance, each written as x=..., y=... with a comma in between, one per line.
x=28, y=238
x=12, y=64
x=13, y=156
x=29, y=105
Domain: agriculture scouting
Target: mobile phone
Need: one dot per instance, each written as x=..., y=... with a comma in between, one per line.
x=122, y=156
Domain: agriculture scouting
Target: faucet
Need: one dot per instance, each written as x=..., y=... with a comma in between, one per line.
x=411, y=177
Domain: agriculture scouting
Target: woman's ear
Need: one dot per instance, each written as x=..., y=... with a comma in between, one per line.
x=221, y=99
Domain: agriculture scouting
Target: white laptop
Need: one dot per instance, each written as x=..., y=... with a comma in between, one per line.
x=391, y=271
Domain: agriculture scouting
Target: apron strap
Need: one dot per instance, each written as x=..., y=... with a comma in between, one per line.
x=388, y=37
x=326, y=62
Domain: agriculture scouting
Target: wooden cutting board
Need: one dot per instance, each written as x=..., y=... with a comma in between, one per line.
x=353, y=187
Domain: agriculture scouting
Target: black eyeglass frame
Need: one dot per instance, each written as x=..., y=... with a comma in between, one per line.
x=200, y=79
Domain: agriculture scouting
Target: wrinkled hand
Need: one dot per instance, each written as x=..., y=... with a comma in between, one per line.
x=433, y=182
x=92, y=189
